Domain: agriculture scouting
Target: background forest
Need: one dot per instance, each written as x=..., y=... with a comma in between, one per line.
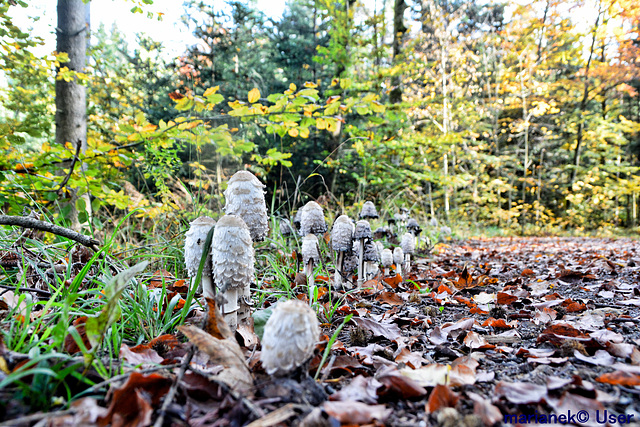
x=523, y=116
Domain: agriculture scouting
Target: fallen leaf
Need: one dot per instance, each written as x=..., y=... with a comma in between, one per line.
x=620, y=378
x=356, y=413
x=361, y=389
x=216, y=326
x=390, y=331
x=441, y=397
x=140, y=357
x=600, y=358
x=520, y=393
x=390, y=298
x=429, y=375
x=397, y=386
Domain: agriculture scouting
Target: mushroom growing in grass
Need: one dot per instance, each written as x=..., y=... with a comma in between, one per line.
x=398, y=259
x=371, y=259
x=341, y=242
x=193, y=247
x=386, y=259
x=414, y=228
x=290, y=336
x=310, y=256
x=312, y=219
x=245, y=198
x=361, y=234
x=285, y=228
x=233, y=267
x=408, y=245
x=368, y=211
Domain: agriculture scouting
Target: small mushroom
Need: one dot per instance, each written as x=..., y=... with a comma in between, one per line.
x=341, y=242
x=414, y=228
x=233, y=267
x=285, y=228
x=245, y=198
x=193, y=247
x=386, y=259
x=371, y=258
x=312, y=219
x=290, y=336
x=408, y=245
x=362, y=233
x=310, y=256
x=398, y=259
x=368, y=211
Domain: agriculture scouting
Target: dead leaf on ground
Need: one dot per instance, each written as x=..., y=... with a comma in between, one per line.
x=361, y=389
x=520, y=393
x=390, y=331
x=628, y=379
x=356, y=413
x=441, y=397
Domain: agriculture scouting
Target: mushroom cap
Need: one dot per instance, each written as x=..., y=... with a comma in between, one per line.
x=386, y=258
x=351, y=262
x=290, y=336
x=368, y=210
x=309, y=249
x=194, y=243
x=285, y=227
x=379, y=247
x=342, y=234
x=399, y=217
x=398, y=255
x=363, y=230
x=245, y=198
x=297, y=217
x=413, y=226
x=232, y=253
x=312, y=219
x=370, y=252
x=408, y=243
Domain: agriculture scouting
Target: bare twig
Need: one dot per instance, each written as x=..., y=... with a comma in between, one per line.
x=28, y=419
x=35, y=224
x=174, y=387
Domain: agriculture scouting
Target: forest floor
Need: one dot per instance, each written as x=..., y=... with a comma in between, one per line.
x=479, y=332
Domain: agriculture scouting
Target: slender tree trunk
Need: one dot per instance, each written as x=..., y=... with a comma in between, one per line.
x=71, y=97
x=399, y=29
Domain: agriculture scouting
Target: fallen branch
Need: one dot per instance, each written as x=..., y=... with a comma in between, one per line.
x=26, y=222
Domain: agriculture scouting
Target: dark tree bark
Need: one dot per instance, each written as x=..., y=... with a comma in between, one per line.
x=399, y=29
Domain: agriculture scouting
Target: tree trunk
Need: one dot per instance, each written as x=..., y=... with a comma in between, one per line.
x=399, y=29
x=71, y=97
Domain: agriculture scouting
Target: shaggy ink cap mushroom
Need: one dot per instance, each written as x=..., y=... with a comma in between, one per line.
x=194, y=243
x=290, y=336
x=342, y=234
x=363, y=230
x=285, y=227
x=414, y=227
x=386, y=258
x=408, y=243
x=233, y=259
x=245, y=198
x=309, y=249
x=368, y=211
x=371, y=252
x=398, y=256
x=312, y=219
x=296, y=219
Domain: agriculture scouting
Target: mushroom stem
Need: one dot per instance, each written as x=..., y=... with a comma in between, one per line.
x=407, y=262
x=361, y=263
x=339, y=272
x=207, y=286
x=244, y=309
x=386, y=271
x=398, y=268
x=230, y=308
x=308, y=271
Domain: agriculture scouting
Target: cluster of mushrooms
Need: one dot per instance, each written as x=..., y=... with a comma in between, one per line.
x=292, y=330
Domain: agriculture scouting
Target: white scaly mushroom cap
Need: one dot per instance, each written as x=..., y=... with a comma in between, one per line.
x=408, y=243
x=351, y=259
x=245, y=198
x=310, y=249
x=371, y=252
x=386, y=257
x=312, y=219
x=368, y=210
x=232, y=253
x=379, y=248
x=342, y=234
x=398, y=256
x=363, y=230
x=289, y=338
x=193, y=245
